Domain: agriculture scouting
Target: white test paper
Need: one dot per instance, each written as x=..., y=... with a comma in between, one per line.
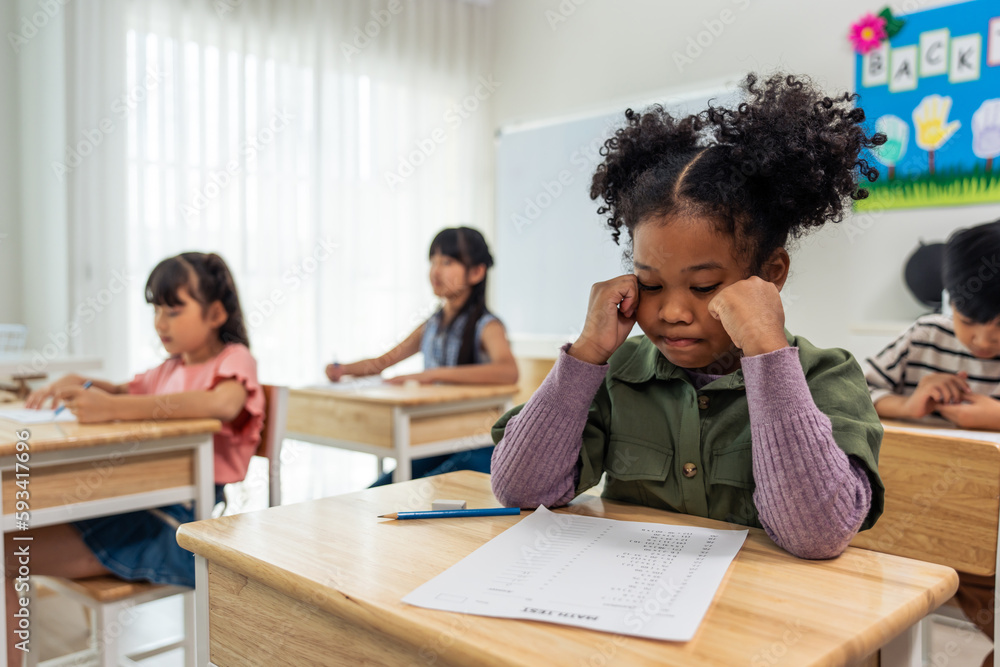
x=28, y=416
x=349, y=385
x=642, y=579
x=987, y=436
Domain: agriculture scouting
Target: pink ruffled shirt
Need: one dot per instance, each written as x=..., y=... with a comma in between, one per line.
x=238, y=439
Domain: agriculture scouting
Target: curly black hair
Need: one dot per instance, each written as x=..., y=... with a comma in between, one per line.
x=778, y=164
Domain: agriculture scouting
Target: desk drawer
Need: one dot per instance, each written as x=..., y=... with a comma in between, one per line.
x=60, y=484
x=340, y=420
x=449, y=427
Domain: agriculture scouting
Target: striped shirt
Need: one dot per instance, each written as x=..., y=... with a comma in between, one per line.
x=929, y=346
x=441, y=345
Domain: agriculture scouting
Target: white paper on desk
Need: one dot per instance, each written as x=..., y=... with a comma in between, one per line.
x=642, y=579
x=28, y=416
x=350, y=385
x=986, y=436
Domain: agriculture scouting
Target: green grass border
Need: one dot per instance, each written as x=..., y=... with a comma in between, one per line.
x=942, y=189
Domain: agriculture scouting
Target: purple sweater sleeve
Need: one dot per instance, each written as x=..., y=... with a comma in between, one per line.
x=535, y=461
x=811, y=497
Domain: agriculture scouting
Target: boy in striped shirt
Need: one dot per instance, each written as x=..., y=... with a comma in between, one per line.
x=951, y=366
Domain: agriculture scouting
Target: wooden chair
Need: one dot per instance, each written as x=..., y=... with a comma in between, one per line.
x=110, y=600
x=272, y=437
x=942, y=501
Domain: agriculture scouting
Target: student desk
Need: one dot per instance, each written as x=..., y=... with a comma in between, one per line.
x=80, y=471
x=321, y=582
x=402, y=422
x=942, y=497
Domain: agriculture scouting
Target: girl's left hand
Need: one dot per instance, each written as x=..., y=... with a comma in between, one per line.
x=975, y=411
x=751, y=312
x=89, y=405
x=426, y=377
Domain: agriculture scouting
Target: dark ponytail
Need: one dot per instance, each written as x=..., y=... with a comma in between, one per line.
x=468, y=246
x=207, y=277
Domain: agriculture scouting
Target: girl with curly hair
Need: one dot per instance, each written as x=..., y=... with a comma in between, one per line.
x=717, y=411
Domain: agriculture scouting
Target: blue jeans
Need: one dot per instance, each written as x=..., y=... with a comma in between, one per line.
x=475, y=459
x=142, y=546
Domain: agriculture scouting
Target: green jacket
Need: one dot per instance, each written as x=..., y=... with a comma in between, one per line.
x=647, y=421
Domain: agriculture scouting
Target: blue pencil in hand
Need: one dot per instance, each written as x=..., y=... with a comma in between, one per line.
x=86, y=385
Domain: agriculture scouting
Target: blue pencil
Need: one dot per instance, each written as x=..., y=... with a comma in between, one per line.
x=86, y=385
x=447, y=514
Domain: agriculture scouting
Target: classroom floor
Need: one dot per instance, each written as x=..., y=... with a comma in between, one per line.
x=62, y=625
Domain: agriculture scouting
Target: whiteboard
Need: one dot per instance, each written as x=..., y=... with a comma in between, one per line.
x=550, y=243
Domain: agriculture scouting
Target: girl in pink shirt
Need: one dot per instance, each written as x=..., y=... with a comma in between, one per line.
x=210, y=374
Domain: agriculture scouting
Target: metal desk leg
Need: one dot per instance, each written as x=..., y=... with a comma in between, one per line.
x=401, y=445
x=205, y=501
x=904, y=650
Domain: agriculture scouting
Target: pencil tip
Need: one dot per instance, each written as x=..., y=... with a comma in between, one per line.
x=387, y=516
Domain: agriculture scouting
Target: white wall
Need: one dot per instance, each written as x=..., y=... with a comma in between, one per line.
x=42, y=133
x=33, y=257
x=622, y=51
x=10, y=196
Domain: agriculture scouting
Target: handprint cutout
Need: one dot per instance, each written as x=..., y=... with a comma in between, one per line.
x=897, y=134
x=932, y=127
x=986, y=131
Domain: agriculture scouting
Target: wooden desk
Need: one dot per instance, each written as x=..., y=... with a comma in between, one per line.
x=942, y=498
x=77, y=471
x=320, y=583
x=402, y=422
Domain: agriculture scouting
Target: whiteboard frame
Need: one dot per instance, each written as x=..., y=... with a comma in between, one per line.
x=666, y=96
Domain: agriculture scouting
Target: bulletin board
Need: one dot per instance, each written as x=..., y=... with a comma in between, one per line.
x=934, y=90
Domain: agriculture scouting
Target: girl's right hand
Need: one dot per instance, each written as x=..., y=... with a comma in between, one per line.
x=36, y=399
x=610, y=318
x=334, y=371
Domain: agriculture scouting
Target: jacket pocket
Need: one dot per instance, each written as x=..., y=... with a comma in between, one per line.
x=731, y=479
x=633, y=459
x=732, y=465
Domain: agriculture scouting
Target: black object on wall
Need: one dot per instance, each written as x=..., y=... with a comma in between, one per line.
x=923, y=274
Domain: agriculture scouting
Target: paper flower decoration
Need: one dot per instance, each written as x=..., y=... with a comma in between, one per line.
x=933, y=129
x=871, y=30
x=868, y=33
x=897, y=134
x=892, y=24
x=986, y=131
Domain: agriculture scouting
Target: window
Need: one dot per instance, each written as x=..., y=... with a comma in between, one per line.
x=254, y=135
